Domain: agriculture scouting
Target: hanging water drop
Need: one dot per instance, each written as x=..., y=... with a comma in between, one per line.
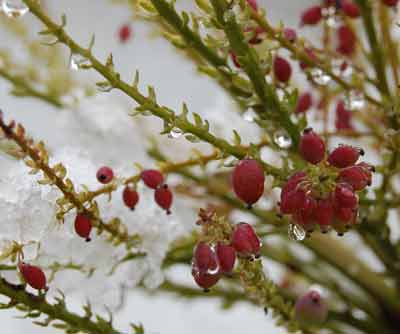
x=354, y=100
x=320, y=77
x=175, y=133
x=77, y=61
x=249, y=115
x=282, y=139
x=14, y=8
x=296, y=232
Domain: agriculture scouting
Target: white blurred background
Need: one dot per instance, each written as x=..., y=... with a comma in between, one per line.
x=175, y=80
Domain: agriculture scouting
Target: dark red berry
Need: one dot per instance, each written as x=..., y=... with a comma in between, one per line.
x=344, y=156
x=163, y=197
x=226, y=258
x=293, y=201
x=282, y=69
x=345, y=196
x=253, y=4
x=256, y=35
x=343, y=117
x=390, y=3
x=205, y=280
x=152, y=178
x=304, y=103
x=311, y=15
x=312, y=147
x=33, y=275
x=248, y=181
x=205, y=258
x=105, y=175
x=124, y=33
x=357, y=176
x=324, y=212
x=304, y=215
x=83, y=226
x=350, y=9
x=290, y=34
x=345, y=215
x=245, y=240
x=234, y=59
x=130, y=197
x=293, y=181
x=346, y=40
x=311, y=309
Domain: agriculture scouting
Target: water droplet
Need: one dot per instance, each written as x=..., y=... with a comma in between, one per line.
x=329, y=14
x=77, y=61
x=282, y=139
x=249, y=115
x=14, y=8
x=320, y=77
x=296, y=232
x=175, y=133
x=354, y=100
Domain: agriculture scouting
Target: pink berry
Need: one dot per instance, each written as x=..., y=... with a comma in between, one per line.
x=205, y=258
x=33, y=275
x=346, y=40
x=345, y=196
x=390, y=3
x=253, y=4
x=83, y=226
x=344, y=156
x=357, y=176
x=324, y=212
x=152, y=178
x=163, y=197
x=105, y=175
x=124, y=33
x=205, y=280
x=343, y=117
x=350, y=9
x=245, y=240
x=304, y=103
x=310, y=309
x=312, y=146
x=130, y=197
x=311, y=16
x=282, y=69
x=226, y=258
x=248, y=181
x=290, y=34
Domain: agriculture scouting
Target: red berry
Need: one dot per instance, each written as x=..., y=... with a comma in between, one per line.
x=345, y=196
x=293, y=201
x=282, y=69
x=204, y=258
x=311, y=309
x=344, y=156
x=248, y=181
x=324, y=212
x=83, y=226
x=253, y=4
x=130, y=197
x=33, y=275
x=304, y=103
x=343, y=117
x=226, y=257
x=205, y=280
x=311, y=15
x=293, y=181
x=234, y=59
x=163, y=197
x=255, y=33
x=105, y=175
x=312, y=146
x=346, y=40
x=152, y=178
x=390, y=3
x=350, y=8
x=290, y=34
x=304, y=215
x=345, y=215
x=245, y=240
x=124, y=33
x=357, y=176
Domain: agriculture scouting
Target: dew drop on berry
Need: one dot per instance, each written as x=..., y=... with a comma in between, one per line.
x=320, y=77
x=14, y=8
x=282, y=139
x=249, y=115
x=296, y=232
x=354, y=100
x=175, y=133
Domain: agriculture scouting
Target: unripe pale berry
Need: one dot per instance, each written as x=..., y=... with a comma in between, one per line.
x=204, y=258
x=344, y=156
x=311, y=16
x=124, y=33
x=33, y=275
x=226, y=257
x=205, y=280
x=312, y=147
x=105, y=175
x=152, y=178
x=311, y=309
x=245, y=240
x=248, y=181
x=350, y=9
x=344, y=196
x=304, y=103
x=163, y=197
x=130, y=197
x=346, y=40
x=253, y=4
x=290, y=34
x=282, y=69
x=83, y=226
x=357, y=176
x=390, y=3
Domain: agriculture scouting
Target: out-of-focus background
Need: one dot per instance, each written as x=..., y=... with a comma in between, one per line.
x=175, y=80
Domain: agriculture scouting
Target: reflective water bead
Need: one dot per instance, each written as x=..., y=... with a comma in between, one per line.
x=282, y=139
x=320, y=77
x=14, y=8
x=355, y=100
x=296, y=232
x=175, y=133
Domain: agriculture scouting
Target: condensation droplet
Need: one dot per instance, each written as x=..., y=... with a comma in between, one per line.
x=282, y=139
x=320, y=77
x=76, y=61
x=14, y=8
x=329, y=14
x=355, y=100
x=175, y=133
x=296, y=232
x=249, y=115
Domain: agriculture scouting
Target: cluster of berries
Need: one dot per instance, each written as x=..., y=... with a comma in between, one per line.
x=151, y=178
x=212, y=261
x=329, y=199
